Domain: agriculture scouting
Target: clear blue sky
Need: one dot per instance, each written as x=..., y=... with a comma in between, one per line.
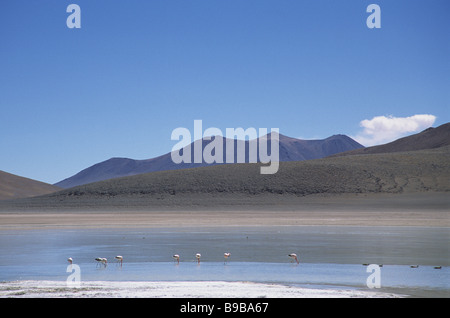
x=136, y=70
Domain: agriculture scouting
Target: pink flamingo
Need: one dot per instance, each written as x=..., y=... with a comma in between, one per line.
x=294, y=256
x=226, y=255
x=119, y=259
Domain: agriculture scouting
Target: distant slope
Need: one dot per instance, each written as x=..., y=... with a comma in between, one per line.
x=424, y=171
x=291, y=149
x=428, y=139
x=13, y=186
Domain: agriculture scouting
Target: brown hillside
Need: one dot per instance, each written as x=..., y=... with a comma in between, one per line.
x=430, y=138
x=13, y=187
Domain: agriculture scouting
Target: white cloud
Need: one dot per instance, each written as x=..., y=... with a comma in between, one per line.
x=382, y=129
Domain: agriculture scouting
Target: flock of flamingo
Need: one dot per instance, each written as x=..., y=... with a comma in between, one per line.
x=176, y=257
x=119, y=259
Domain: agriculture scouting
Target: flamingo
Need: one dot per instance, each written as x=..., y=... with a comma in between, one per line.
x=119, y=259
x=226, y=255
x=177, y=258
x=101, y=260
x=294, y=256
x=197, y=256
x=70, y=260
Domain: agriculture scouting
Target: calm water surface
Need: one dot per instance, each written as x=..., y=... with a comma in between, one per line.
x=329, y=256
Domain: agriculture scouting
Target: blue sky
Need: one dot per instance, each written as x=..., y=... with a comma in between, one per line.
x=136, y=70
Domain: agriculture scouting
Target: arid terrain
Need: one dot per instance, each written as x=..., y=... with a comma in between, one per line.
x=406, y=188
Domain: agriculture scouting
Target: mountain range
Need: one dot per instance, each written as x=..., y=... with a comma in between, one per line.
x=417, y=163
x=408, y=180
x=290, y=149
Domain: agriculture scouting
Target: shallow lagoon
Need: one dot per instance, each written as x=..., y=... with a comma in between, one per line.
x=329, y=256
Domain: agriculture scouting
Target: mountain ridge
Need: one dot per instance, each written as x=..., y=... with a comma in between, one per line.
x=290, y=149
x=430, y=138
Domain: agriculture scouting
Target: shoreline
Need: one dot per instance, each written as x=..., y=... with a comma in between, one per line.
x=177, y=219
x=413, y=209
x=177, y=289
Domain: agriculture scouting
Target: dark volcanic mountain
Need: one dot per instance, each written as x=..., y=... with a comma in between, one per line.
x=430, y=138
x=13, y=187
x=290, y=149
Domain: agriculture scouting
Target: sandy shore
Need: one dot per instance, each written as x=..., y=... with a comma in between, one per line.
x=419, y=209
x=193, y=289
x=133, y=219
